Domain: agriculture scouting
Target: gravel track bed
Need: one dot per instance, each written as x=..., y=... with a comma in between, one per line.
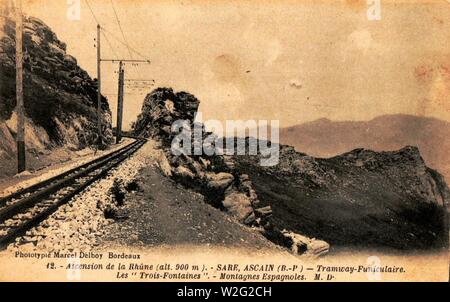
x=78, y=224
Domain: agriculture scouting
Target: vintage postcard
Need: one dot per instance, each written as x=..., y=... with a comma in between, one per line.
x=224, y=141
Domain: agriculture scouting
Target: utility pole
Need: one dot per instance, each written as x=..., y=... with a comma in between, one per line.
x=99, y=93
x=121, y=92
x=119, y=105
x=19, y=91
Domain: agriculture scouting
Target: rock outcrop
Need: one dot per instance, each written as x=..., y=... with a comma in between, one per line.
x=304, y=245
x=364, y=198
x=60, y=97
x=214, y=176
x=223, y=186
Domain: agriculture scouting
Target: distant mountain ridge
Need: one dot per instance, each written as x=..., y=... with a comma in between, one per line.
x=326, y=138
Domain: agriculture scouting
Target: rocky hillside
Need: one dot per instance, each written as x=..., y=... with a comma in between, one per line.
x=362, y=197
x=215, y=177
x=326, y=138
x=60, y=97
x=365, y=198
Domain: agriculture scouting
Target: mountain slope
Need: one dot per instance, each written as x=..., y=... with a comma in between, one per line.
x=325, y=138
x=364, y=198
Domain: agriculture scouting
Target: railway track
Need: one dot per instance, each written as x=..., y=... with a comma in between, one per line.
x=26, y=208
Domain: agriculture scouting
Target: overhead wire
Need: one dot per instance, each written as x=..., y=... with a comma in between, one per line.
x=105, y=33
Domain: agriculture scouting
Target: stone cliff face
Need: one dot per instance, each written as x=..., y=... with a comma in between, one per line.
x=60, y=97
x=364, y=198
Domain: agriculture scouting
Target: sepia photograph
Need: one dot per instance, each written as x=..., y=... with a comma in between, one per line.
x=224, y=141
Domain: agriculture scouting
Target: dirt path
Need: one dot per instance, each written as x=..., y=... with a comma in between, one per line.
x=164, y=213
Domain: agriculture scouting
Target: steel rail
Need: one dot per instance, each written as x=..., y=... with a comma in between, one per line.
x=101, y=165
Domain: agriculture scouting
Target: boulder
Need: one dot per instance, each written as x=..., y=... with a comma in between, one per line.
x=229, y=162
x=163, y=163
x=247, y=187
x=238, y=205
x=183, y=173
x=250, y=219
x=303, y=245
x=318, y=247
x=219, y=181
x=198, y=169
x=7, y=141
x=70, y=59
x=76, y=79
x=262, y=212
x=205, y=163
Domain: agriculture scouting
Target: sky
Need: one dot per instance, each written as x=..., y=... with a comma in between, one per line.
x=294, y=61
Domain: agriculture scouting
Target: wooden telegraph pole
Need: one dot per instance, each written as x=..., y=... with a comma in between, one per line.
x=99, y=93
x=19, y=91
x=120, y=104
x=121, y=92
